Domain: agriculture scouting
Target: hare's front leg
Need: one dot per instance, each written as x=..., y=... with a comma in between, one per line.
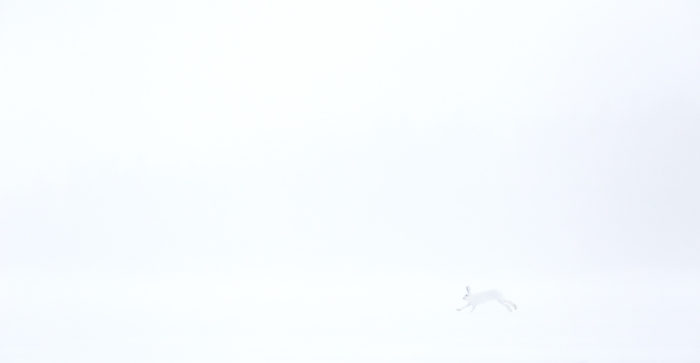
x=462, y=308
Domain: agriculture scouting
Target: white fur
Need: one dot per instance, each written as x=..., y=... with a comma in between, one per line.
x=486, y=296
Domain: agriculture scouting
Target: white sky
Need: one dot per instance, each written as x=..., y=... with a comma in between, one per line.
x=262, y=181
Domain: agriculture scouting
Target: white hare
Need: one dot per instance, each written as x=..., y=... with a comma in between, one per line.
x=485, y=296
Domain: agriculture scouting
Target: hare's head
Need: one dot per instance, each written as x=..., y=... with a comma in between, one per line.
x=466, y=296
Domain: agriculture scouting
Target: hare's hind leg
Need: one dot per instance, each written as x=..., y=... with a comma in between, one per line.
x=509, y=305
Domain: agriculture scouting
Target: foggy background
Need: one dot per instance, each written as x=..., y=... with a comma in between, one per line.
x=317, y=181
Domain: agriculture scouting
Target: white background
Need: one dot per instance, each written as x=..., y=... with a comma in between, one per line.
x=300, y=181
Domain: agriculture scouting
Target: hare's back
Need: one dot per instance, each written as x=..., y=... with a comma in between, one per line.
x=490, y=295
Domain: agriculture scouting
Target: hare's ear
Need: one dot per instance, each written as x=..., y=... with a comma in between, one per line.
x=468, y=291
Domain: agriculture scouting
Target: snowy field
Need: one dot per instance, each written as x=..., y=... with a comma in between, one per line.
x=342, y=316
x=316, y=181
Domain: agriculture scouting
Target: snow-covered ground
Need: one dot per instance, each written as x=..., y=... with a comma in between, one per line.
x=307, y=315
x=316, y=181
